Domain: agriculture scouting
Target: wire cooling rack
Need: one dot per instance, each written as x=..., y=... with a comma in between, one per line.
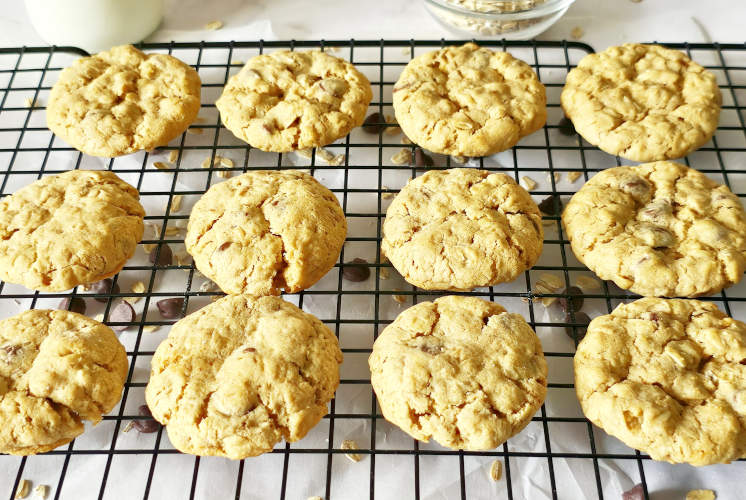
x=559, y=455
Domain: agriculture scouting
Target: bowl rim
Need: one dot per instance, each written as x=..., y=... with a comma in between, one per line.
x=546, y=8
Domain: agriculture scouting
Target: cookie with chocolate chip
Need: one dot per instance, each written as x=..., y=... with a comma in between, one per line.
x=659, y=229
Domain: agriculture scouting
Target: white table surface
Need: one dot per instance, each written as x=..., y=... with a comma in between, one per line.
x=605, y=22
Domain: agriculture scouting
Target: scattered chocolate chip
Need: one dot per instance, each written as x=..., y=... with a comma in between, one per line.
x=104, y=287
x=573, y=299
x=551, y=205
x=74, y=304
x=121, y=313
x=422, y=159
x=145, y=426
x=566, y=127
x=577, y=332
x=163, y=254
x=374, y=124
x=635, y=493
x=171, y=308
x=356, y=271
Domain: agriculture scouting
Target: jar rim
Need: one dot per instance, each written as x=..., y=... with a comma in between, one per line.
x=545, y=7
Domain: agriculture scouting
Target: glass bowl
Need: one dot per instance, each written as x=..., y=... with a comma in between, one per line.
x=509, y=19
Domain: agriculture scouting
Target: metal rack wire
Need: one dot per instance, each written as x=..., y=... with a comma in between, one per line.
x=560, y=443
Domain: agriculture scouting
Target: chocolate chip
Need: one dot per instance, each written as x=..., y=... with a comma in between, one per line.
x=146, y=426
x=566, y=127
x=356, y=271
x=374, y=124
x=163, y=254
x=122, y=313
x=551, y=205
x=171, y=308
x=577, y=332
x=74, y=304
x=422, y=159
x=573, y=299
x=635, y=493
x=104, y=287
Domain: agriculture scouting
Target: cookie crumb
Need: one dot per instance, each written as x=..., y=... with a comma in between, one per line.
x=459, y=159
x=194, y=131
x=225, y=174
x=402, y=157
x=128, y=427
x=573, y=176
x=577, y=32
x=700, y=495
x=528, y=183
x=496, y=470
x=400, y=299
x=547, y=283
x=214, y=25
x=406, y=51
x=226, y=162
x=237, y=62
x=384, y=273
x=338, y=160
x=557, y=177
x=138, y=287
x=324, y=155
x=392, y=130
x=150, y=328
x=148, y=247
x=386, y=195
x=23, y=489
x=405, y=140
x=349, y=444
x=176, y=202
x=41, y=491
x=99, y=317
x=206, y=163
x=173, y=156
x=29, y=102
x=161, y=165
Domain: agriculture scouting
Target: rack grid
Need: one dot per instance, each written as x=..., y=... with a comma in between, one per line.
x=558, y=445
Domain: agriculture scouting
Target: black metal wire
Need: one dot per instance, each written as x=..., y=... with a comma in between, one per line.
x=570, y=52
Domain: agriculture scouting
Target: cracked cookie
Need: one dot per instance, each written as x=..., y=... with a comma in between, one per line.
x=462, y=228
x=239, y=375
x=57, y=368
x=642, y=102
x=286, y=101
x=468, y=101
x=69, y=229
x=667, y=377
x=265, y=231
x=658, y=229
x=460, y=370
x=122, y=100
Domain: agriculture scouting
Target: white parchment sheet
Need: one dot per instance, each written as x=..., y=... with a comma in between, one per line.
x=88, y=473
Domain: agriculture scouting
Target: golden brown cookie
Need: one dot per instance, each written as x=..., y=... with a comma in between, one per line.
x=468, y=101
x=668, y=377
x=122, y=100
x=659, y=229
x=239, y=375
x=642, y=102
x=69, y=229
x=57, y=368
x=264, y=231
x=460, y=370
x=462, y=228
x=285, y=101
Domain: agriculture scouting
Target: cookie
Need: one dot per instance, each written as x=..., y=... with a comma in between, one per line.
x=286, y=101
x=462, y=228
x=667, y=377
x=265, y=231
x=69, y=229
x=122, y=100
x=468, y=101
x=642, y=102
x=658, y=229
x=57, y=368
x=241, y=374
x=460, y=370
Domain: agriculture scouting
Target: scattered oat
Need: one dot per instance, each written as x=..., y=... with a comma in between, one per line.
x=172, y=230
x=349, y=444
x=587, y=282
x=99, y=317
x=23, y=488
x=402, y=157
x=305, y=153
x=392, y=130
x=548, y=283
x=324, y=155
x=176, y=202
x=700, y=495
x=29, y=102
x=238, y=62
x=338, y=160
x=547, y=222
x=225, y=174
x=401, y=299
x=226, y=162
x=138, y=287
x=41, y=491
x=496, y=470
x=161, y=165
x=528, y=183
x=206, y=163
x=129, y=426
x=332, y=48
x=557, y=177
x=195, y=131
x=173, y=156
x=384, y=273
x=405, y=140
x=154, y=228
x=459, y=159
x=387, y=195
x=573, y=176
x=214, y=25
x=406, y=51
x=208, y=286
x=148, y=247
x=577, y=32
x=150, y=328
